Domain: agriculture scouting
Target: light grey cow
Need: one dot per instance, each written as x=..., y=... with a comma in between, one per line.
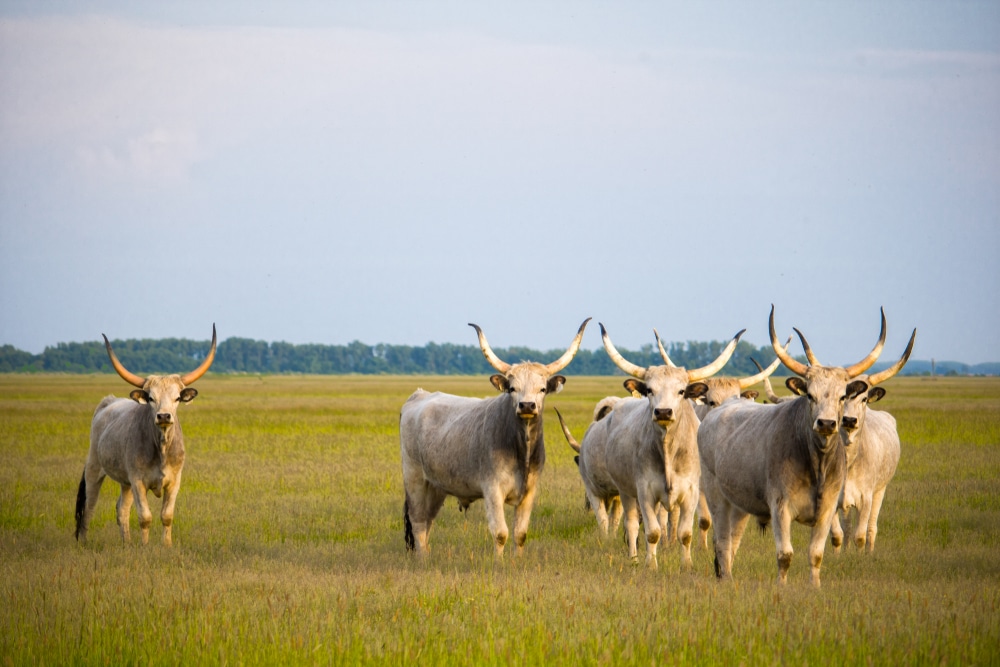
x=601, y=493
x=472, y=448
x=651, y=447
x=873, y=449
x=780, y=463
x=138, y=442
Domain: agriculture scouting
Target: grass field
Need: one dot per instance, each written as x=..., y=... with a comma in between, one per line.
x=288, y=546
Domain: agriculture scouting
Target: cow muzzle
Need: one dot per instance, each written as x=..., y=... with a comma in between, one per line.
x=663, y=415
x=825, y=426
x=527, y=410
x=849, y=423
x=164, y=419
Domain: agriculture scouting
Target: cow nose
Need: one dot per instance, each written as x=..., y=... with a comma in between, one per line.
x=526, y=406
x=825, y=426
x=850, y=423
x=663, y=414
x=164, y=418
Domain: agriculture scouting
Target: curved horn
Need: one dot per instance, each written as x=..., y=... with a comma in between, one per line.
x=565, y=429
x=494, y=360
x=866, y=363
x=563, y=361
x=663, y=352
x=620, y=361
x=126, y=374
x=721, y=360
x=813, y=361
x=790, y=363
x=768, y=389
x=763, y=373
x=882, y=376
x=203, y=368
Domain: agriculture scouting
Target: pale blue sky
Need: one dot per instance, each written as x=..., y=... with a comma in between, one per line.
x=387, y=172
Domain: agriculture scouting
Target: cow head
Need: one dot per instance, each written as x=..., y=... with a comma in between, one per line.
x=856, y=408
x=163, y=393
x=667, y=387
x=827, y=388
x=722, y=389
x=528, y=382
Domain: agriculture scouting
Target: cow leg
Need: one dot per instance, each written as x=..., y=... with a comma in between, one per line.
x=124, y=512
x=668, y=519
x=522, y=517
x=737, y=524
x=631, y=510
x=836, y=532
x=722, y=538
x=93, y=478
x=781, y=522
x=817, y=543
x=685, y=525
x=615, y=513
x=704, y=519
x=877, y=499
x=167, y=511
x=651, y=525
x=493, y=501
x=600, y=512
x=864, y=520
x=424, y=502
x=142, y=509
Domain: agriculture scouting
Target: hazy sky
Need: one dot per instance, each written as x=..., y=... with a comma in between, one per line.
x=388, y=172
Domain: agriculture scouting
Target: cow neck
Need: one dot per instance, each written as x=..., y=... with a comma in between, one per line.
x=825, y=455
x=163, y=446
x=521, y=435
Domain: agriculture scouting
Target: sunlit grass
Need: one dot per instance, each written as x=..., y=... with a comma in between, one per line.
x=289, y=546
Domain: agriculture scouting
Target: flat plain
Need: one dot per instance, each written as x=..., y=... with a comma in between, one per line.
x=288, y=546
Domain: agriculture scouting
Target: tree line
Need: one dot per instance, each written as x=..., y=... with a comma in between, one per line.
x=244, y=355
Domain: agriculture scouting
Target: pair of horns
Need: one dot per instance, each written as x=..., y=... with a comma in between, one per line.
x=854, y=370
x=554, y=367
x=138, y=381
x=693, y=375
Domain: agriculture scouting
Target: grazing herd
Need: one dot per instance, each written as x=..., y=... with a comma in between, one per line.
x=681, y=443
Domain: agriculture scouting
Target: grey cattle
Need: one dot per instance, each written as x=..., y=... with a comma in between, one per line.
x=720, y=390
x=782, y=462
x=651, y=449
x=471, y=448
x=872, y=447
x=609, y=512
x=138, y=442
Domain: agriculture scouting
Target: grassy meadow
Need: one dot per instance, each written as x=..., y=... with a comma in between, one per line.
x=288, y=546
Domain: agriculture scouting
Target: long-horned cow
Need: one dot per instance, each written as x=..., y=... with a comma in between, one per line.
x=138, y=442
x=782, y=462
x=872, y=446
x=472, y=448
x=720, y=390
x=650, y=447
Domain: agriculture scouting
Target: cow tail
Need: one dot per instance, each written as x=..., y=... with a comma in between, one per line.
x=407, y=526
x=81, y=503
x=718, y=571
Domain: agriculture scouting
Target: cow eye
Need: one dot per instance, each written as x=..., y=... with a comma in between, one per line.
x=712, y=403
x=544, y=390
x=510, y=390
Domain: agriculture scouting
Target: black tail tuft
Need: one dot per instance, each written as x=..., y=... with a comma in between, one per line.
x=718, y=571
x=81, y=503
x=408, y=527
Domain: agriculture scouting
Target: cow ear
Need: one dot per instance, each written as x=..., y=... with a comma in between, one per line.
x=139, y=396
x=500, y=382
x=751, y=394
x=555, y=384
x=796, y=385
x=876, y=394
x=695, y=390
x=188, y=394
x=636, y=387
x=856, y=387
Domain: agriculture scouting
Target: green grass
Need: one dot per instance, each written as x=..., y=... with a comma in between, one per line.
x=289, y=546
